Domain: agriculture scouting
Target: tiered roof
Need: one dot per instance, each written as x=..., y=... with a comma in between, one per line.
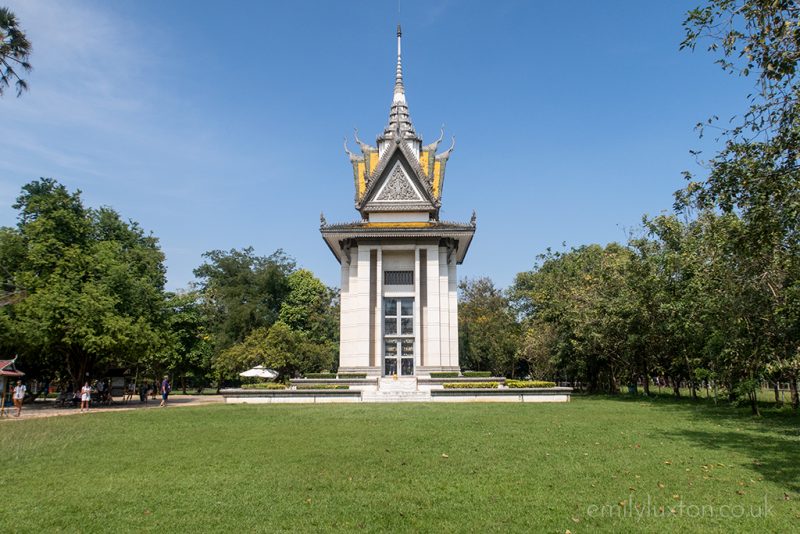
x=400, y=173
x=399, y=176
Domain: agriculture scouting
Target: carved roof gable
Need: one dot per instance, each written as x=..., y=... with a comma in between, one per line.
x=397, y=187
x=397, y=184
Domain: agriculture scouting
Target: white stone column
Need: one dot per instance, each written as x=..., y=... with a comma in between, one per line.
x=344, y=311
x=433, y=356
x=417, y=310
x=444, y=306
x=359, y=312
x=348, y=345
x=453, y=297
x=378, y=311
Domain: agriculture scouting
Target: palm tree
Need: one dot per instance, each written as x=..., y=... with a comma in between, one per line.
x=15, y=49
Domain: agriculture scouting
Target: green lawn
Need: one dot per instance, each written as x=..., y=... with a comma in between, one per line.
x=403, y=467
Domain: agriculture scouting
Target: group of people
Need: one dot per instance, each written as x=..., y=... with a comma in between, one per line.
x=146, y=390
x=20, y=390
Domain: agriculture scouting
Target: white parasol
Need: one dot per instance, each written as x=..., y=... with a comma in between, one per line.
x=260, y=371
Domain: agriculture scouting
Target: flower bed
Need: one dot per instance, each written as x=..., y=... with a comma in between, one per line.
x=529, y=384
x=477, y=374
x=470, y=385
x=267, y=385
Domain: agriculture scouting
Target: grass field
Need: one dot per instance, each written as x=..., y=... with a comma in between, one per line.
x=596, y=464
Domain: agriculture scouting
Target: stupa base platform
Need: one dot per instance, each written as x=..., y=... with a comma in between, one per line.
x=406, y=389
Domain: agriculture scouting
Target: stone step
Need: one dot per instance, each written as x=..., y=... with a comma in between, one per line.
x=399, y=384
x=395, y=396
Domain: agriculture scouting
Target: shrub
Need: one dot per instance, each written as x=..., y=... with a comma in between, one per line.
x=529, y=384
x=320, y=375
x=265, y=385
x=345, y=376
x=444, y=374
x=323, y=386
x=477, y=374
x=476, y=385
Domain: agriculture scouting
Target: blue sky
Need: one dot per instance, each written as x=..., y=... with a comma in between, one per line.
x=220, y=126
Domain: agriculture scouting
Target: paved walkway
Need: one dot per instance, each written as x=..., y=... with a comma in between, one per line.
x=47, y=408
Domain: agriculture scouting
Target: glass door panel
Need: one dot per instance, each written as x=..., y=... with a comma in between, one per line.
x=398, y=333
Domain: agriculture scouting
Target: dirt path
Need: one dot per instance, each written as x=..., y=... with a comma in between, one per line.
x=47, y=407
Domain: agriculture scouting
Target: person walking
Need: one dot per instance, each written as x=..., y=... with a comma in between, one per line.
x=19, y=396
x=165, y=389
x=86, y=396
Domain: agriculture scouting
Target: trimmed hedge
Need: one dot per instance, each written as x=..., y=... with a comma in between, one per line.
x=320, y=375
x=323, y=386
x=529, y=384
x=266, y=385
x=345, y=376
x=477, y=374
x=476, y=385
x=444, y=374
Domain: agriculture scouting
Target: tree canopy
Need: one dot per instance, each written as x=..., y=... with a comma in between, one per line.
x=92, y=284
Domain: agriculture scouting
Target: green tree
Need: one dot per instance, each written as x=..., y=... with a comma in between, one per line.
x=289, y=352
x=537, y=348
x=488, y=329
x=242, y=292
x=15, y=51
x=311, y=307
x=584, y=295
x=756, y=175
x=188, y=353
x=93, y=285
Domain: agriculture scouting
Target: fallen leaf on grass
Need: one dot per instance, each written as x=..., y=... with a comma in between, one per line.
x=445, y=456
x=676, y=497
x=660, y=485
x=787, y=497
x=576, y=519
x=739, y=492
x=147, y=512
x=668, y=462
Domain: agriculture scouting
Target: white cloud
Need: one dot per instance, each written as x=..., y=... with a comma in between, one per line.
x=85, y=65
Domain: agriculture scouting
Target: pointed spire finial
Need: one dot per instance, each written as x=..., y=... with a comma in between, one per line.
x=399, y=90
x=399, y=119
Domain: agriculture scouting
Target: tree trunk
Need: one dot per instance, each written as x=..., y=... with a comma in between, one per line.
x=753, y=402
x=612, y=383
x=777, y=391
x=793, y=389
x=183, y=383
x=693, y=387
x=646, y=385
x=676, y=387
